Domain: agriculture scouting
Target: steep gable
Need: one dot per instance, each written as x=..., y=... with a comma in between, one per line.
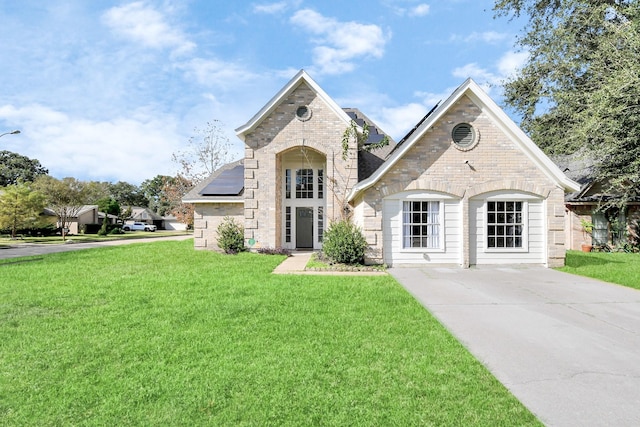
x=279, y=98
x=479, y=100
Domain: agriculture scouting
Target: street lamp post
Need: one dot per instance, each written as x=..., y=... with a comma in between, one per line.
x=14, y=132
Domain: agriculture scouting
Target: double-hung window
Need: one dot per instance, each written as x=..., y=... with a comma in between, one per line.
x=421, y=224
x=505, y=224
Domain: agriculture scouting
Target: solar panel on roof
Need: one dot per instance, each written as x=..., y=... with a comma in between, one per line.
x=229, y=183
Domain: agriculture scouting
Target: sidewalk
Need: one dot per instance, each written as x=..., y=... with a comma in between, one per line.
x=31, y=249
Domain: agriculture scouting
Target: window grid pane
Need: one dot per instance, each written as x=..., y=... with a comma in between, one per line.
x=421, y=224
x=505, y=226
x=287, y=228
x=320, y=184
x=304, y=184
x=320, y=223
x=287, y=183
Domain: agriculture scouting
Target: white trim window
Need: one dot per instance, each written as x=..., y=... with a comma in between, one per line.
x=506, y=225
x=600, y=234
x=421, y=224
x=304, y=183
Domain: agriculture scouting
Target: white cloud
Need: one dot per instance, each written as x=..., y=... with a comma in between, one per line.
x=340, y=44
x=430, y=99
x=131, y=148
x=476, y=72
x=489, y=37
x=511, y=62
x=505, y=67
x=397, y=121
x=419, y=10
x=147, y=26
x=216, y=73
x=270, y=8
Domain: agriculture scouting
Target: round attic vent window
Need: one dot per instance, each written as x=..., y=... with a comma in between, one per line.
x=464, y=135
x=303, y=113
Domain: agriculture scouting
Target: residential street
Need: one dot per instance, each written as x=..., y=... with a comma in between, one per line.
x=30, y=249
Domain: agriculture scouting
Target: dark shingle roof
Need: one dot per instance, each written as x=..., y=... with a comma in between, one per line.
x=580, y=168
x=370, y=161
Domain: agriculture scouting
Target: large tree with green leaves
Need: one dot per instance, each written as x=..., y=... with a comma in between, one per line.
x=153, y=190
x=16, y=167
x=579, y=92
x=109, y=206
x=20, y=207
x=127, y=194
x=97, y=191
x=65, y=197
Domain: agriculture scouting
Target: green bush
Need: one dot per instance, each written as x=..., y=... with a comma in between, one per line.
x=115, y=229
x=344, y=243
x=104, y=229
x=230, y=236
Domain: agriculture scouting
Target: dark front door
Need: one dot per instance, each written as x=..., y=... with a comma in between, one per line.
x=304, y=228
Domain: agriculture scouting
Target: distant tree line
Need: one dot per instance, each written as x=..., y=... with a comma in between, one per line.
x=26, y=188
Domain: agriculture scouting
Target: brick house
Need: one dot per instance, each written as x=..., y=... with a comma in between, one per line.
x=612, y=224
x=466, y=186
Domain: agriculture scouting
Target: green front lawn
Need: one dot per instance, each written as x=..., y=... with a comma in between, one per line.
x=161, y=334
x=615, y=267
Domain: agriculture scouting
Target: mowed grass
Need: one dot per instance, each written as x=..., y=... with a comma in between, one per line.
x=161, y=334
x=614, y=267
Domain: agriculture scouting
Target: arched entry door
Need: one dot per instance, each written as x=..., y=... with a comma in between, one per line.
x=303, y=198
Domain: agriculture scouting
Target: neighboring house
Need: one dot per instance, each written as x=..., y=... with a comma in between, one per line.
x=592, y=203
x=170, y=222
x=146, y=215
x=87, y=215
x=466, y=186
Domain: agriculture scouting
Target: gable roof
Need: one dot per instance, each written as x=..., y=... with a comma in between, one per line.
x=480, y=98
x=579, y=167
x=141, y=213
x=300, y=78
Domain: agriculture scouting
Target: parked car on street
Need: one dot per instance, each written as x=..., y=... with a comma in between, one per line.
x=138, y=226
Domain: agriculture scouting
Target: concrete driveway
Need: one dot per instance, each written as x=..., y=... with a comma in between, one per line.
x=567, y=347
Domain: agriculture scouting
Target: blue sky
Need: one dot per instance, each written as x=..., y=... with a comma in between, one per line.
x=108, y=90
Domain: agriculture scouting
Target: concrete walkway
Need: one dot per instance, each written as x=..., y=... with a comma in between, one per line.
x=296, y=263
x=567, y=347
